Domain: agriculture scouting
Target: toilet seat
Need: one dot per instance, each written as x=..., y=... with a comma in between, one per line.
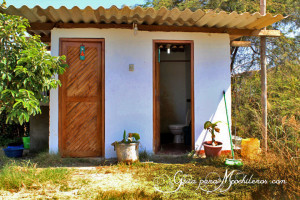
x=176, y=126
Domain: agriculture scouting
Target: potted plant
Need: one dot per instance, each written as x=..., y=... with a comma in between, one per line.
x=212, y=148
x=127, y=149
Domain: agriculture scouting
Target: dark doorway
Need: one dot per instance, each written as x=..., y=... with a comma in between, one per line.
x=173, y=97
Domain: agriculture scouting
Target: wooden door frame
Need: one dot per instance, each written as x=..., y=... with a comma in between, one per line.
x=156, y=123
x=102, y=77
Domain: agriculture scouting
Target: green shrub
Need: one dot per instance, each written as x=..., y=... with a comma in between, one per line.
x=144, y=155
x=283, y=107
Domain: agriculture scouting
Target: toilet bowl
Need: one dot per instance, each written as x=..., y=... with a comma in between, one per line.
x=176, y=130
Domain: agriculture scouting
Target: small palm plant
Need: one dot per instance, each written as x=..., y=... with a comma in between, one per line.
x=212, y=127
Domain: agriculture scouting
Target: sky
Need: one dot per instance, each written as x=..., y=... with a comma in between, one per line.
x=72, y=3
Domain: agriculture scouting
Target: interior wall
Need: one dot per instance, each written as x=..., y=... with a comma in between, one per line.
x=174, y=86
x=129, y=94
x=188, y=79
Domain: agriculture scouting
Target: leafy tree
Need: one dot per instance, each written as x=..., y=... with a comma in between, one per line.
x=26, y=70
x=170, y=4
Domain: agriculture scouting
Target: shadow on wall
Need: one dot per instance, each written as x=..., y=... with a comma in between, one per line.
x=215, y=113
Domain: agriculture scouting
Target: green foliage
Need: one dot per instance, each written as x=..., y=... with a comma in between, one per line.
x=26, y=70
x=124, y=136
x=170, y=4
x=144, y=155
x=283, y=107
x=212, y=127
x=131, y=138
x=3, y=4
x=136, y=136
x=12, y=133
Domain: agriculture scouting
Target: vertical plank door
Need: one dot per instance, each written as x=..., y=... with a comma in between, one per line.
x=81, y=127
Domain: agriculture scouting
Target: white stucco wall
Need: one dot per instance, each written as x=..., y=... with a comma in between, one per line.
x=128, y=95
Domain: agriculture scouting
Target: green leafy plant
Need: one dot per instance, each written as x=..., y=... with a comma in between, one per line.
x=26, y=70
x=212, y=127
x=131, y=138
x=124, y=136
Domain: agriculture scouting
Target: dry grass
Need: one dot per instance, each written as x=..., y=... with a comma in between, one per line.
x=15, y=176
x=274, y=167
x=108, y=180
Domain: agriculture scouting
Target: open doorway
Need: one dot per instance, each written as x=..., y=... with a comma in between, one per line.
x=173, y=96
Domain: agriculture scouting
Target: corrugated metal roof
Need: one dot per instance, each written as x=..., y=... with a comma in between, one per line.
x=145, y=16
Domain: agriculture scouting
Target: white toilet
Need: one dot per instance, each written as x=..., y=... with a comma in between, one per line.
x=176, y=130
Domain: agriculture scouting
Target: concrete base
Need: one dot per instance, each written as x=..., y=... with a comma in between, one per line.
x=25, y=152
x=39, y=131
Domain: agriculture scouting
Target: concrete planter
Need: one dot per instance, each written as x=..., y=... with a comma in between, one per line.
x=127, y=152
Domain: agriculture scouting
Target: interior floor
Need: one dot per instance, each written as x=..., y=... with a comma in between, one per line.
x=168, y=147
x=174, y=149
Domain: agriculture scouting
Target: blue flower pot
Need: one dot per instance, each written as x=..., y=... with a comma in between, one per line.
x=14, y=151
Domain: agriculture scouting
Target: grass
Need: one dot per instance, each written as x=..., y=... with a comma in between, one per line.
x=14, y=176
x=44, y=159
x=41, y=178
x=55, y=160
x=138, y=194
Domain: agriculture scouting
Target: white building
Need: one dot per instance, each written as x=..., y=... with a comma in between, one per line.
x=143, y=70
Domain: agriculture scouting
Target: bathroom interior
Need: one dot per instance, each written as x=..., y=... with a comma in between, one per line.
x=175, y=98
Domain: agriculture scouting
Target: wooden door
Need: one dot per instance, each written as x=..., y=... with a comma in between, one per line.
x=81, y=102
x=156, y=111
